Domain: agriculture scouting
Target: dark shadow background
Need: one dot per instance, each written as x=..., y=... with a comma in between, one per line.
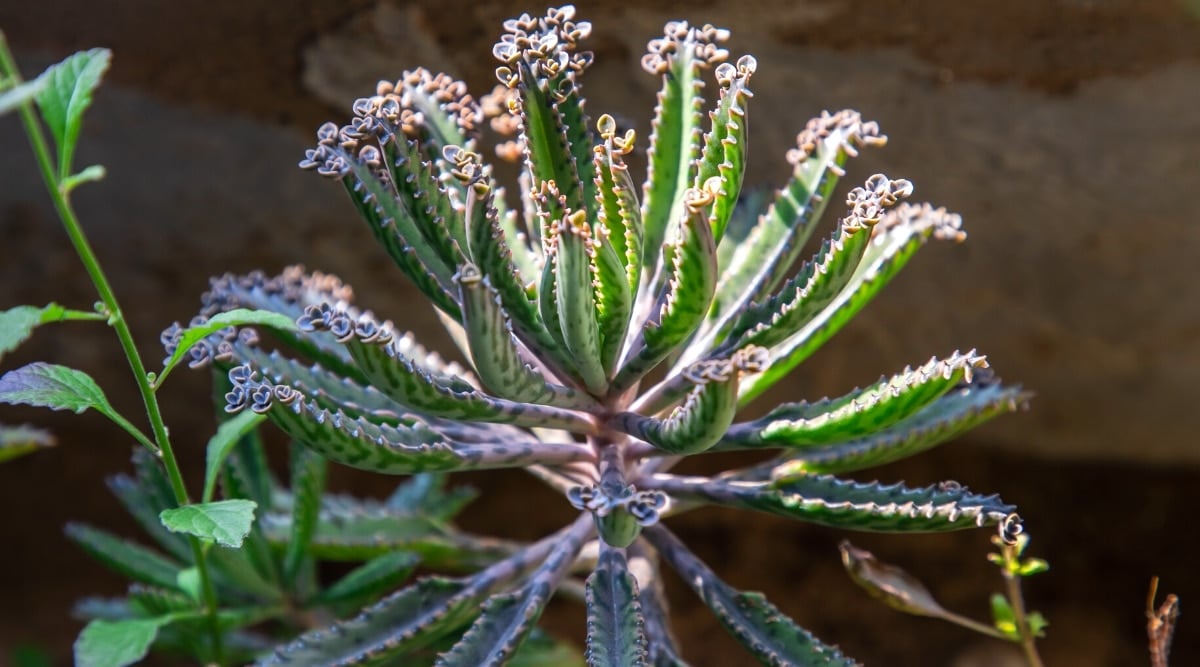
x=1065, y=131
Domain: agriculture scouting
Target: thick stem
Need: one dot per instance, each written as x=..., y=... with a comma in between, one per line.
x=116, y=320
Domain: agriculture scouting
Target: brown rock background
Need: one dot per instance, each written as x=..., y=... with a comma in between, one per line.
x=1065, y=131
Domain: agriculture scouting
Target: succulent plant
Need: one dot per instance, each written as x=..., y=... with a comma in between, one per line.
x=605, y=336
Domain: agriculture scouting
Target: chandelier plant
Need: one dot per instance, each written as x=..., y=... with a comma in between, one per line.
x=607, y=331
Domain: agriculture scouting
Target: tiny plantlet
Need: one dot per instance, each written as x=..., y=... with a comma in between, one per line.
x=607, y=331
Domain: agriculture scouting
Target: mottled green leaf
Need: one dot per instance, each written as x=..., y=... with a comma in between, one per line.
x=724, y=153
x=375, y=577
x=308, y=484
x=827, y=500
x=508, y=618
x=226, y=522
x=895, y=239
x=615, y=624
x=575, y=276
x=127, y=558
x=861, y=412
x=757, y=624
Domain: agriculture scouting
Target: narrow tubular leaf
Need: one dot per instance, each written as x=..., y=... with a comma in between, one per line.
x=374, y=349
x=895, y=239
x=617, y=209
x=289, y=294
x=549, y=155
x=830, y=501
x=762, y=260
x=690, y=276
x=508, y=618
x=127, y=558
x=946, y=418
x=704, y=416
x=358, y=531
x=615, y=636
x=423, y=199
x=395, y=229
x=575, y=277
x=501, y=364
x=406, y=621
x=614, y=301
x=663, y=649
x=492, y=254
x=382, y=448
x=679, y=57
x=761, y=628
x=724, y=153
x=371, y=579
x=308, y=471
x=859, y=413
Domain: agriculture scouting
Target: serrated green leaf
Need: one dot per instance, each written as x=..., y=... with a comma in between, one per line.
x=502, y=366
x=760, y=262
x=827, y=500
x=308, y=484
x=234, y=318
x=406, y=621
x=17, y=441
x=67, y=95
x=895, y=239
x=228, y=434
x=426, y=494
x=127, y=558
x=861, y=412
x=20, y=94
x=948, y=417
x=724, y=153
x=615, y=624
x=226, y=522
x=757, y=624
x=551, y=156
x=508, y=618
x=575, y=275
x=56, y=387
x=375, y=577
x=424, y=200
x=116, y=643
x=688, y=276
x=704, y=416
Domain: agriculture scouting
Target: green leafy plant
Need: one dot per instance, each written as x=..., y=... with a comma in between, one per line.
x=605, y=337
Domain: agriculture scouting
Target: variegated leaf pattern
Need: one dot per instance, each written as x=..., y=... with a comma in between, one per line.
x=831, y=501
x=761, y=628
x=616, y=636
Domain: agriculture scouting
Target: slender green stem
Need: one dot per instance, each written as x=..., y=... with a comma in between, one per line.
x=1012, y=584
x=116, y=320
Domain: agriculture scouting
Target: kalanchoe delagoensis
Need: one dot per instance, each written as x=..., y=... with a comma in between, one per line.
x=565, y=304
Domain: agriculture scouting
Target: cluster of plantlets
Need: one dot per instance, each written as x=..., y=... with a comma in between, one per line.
x=605, y=337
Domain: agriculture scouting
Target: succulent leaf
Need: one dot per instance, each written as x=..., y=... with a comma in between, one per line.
x=690, y=274
x=502, y=366
x=373, y=578
x=859, y=413
x=762, y=260
x=895, y=239
x=616, y=636
x=308, y=483
x=705, y=415
x=131, y=560
x=757, y=624
x=949, y=416
x=680, y=56
x=724, y=153
x=405, y=621
x=508, y=618
x=830, y=501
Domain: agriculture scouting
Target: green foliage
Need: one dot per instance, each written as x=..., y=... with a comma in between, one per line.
x=226, y=522
x=18, y=441
x=605, y=337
